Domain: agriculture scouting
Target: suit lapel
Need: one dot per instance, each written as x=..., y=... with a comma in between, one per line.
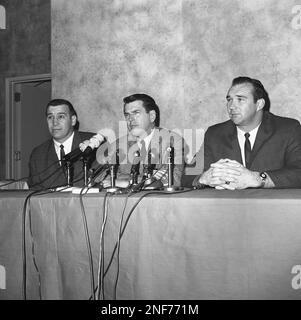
x=76, y=140
x=231, y=142
x=265, y=131
x=52, y=155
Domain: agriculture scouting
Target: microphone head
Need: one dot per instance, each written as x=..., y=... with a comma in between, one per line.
x=73, y=155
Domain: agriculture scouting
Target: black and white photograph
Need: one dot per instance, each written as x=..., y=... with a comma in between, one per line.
x=150, y=153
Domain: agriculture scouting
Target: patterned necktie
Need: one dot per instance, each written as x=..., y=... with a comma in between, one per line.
x=247, y=150
x=62, y=153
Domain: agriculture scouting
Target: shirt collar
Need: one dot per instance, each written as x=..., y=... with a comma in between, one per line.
x=67, y=144
x=252, y=133
x=147, y=139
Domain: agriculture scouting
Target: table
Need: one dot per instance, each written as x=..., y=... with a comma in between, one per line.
x=204, y=244
x=13, y=185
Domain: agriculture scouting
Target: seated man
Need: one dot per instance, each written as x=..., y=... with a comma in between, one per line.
x=45, y=169
x=255, y=148
x=146, y=147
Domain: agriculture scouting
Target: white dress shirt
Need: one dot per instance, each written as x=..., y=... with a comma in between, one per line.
x=67, y=146
x=147, y=140
x=242, y=139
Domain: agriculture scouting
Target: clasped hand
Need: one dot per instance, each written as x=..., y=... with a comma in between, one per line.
x=229, y=174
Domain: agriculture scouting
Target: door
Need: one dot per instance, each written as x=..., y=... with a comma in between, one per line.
x=31, y=99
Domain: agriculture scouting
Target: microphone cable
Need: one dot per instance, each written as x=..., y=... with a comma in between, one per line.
x=100, y=283
x=23, y=232
x=26, y=178
x=118, y=245
x=122, y=230
x=87, y=237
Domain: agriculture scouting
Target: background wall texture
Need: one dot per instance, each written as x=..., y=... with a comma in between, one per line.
x=184, y=53
x=24, y=49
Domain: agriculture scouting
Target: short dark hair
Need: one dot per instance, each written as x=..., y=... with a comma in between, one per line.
x=59, y=102
x=259, y=91
x=148, y=104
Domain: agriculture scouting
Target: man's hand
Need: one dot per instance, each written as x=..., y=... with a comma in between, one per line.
x=221, y=174
x=246, y=178
x=230, y=174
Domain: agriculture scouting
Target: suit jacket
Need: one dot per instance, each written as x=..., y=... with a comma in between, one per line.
x=45, y=170
x=127, y=146
x=277, y=148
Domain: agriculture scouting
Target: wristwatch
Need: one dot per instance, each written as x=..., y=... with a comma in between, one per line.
x=263, y=176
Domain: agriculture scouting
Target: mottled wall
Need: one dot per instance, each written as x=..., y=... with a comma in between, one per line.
x=182, y=52
x=24, y=49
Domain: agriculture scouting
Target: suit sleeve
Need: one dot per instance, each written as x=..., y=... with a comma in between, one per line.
x=33, y=178
x=290, y=175
x=179, y=160
x=208, y=157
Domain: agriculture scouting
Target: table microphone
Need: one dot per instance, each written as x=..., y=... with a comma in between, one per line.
x=113, y=173
x=135, y=168
x=170, y=163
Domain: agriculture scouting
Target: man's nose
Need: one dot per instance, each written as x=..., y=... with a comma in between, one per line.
x=55, y=121
x=231, y=105
x=131, y=117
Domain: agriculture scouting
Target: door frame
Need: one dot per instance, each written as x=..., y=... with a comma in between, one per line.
x=10, y=112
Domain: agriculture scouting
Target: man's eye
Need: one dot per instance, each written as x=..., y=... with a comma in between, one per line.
x=61, y=117
x=49, y=118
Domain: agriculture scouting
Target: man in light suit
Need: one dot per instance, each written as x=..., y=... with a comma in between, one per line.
x=146, y=144
x=45, y=168
x=255, y=148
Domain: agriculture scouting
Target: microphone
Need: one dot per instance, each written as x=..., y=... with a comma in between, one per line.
x=135, y=168
x=85, y=148
x=170, y=166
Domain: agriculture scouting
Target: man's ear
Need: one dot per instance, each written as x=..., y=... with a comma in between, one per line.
x=152, y=115
x=73, y=120
x=260, y=104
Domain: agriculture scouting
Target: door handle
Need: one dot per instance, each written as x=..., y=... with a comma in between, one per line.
x=17, y=155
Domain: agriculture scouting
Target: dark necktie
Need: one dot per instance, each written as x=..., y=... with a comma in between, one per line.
x=247, y=150
x=62, y=153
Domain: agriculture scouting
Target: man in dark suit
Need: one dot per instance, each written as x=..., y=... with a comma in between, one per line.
x=45, y=168
x=255, y=148
x=146, y=144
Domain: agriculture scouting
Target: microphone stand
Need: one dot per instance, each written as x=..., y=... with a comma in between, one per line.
x=85, y=168
x=113, y=187
x=170, y=187
x=148, y=171
x=135, y=169
x=68, y=165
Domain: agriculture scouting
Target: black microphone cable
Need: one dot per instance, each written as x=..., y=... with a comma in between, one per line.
x=87, y=237
x=25, y=178
x=122, y=230
x=100, y=284
x=27, y=199
x=23, y=227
